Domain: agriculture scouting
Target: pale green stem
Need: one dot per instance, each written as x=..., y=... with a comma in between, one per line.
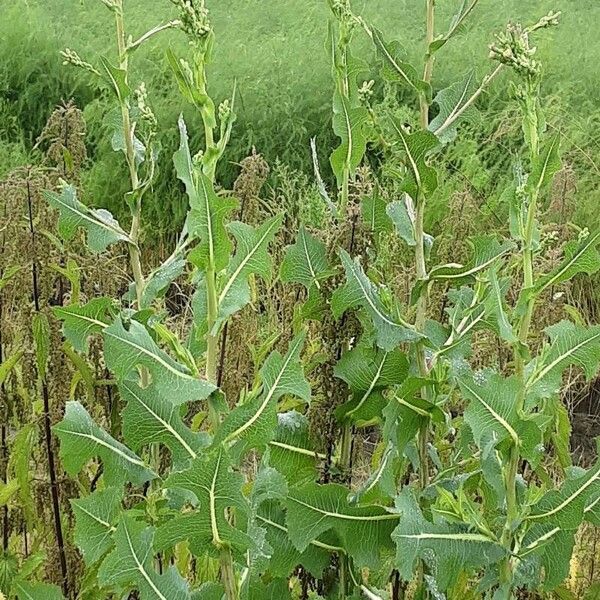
x=228, y=576
x=421, y=272
x=212, y=341
x=227, y=567
x=511, y=472
x=428, y=71
x=134, y=252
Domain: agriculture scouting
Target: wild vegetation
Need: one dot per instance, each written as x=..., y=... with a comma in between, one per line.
x=308, y=391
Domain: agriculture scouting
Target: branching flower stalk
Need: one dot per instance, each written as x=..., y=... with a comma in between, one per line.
x=348, y=119
x=128, y=135
x=195, y=22
x=345, y=101
x=513, y=49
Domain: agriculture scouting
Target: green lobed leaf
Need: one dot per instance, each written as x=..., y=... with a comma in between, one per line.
x=100, y=226
x=547, y=547
x=359, y=291
x=399, y=213
x=486, y=251
x=131, y=564
x=127, y=350
x=554, y=521
x=420, y=178
x=451, y=101
x=407, y=412
x=569, y=344
x=148, y=419
x=375, y=213
x=448, y=550
x=313, y=509
x=251, y=257
x=545, y=166
x=96, y=516
x=494, y=307
x=285, y=557
x=81, y=440
x=291, y=451
x=381, y=484
x=277, y=589
x=254, y=423
x=218, y=489
x=580, y=257
x=114, y=123
x=80, y=322
x=395, y=69
x=36, y=591
x=368, y=373
x=117, y=79
x=209, y=590
x=160, y=279
x=564, y=507
x=205, y=219
x=348, y=125
x=492, y=413
x=305, y=261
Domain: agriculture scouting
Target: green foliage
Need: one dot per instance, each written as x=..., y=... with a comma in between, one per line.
x=126, y=350
x=81, y=439
x=253, y=423
x=100, y=226
x=216, y=488
x=314, y=509
x=259, y=485
x=447, y=549
x=368, y=372
x=96, y=517
x=130, y=564
x=359, y=291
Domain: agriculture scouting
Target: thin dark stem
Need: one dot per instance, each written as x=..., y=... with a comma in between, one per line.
x=222, y=353
x=4, y=446
x=54, y=492
x=5, y=521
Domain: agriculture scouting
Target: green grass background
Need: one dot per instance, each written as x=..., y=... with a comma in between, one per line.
x=274, y=49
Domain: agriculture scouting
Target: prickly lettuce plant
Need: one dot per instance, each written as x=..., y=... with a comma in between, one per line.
x=485, y=501
x=189, y=494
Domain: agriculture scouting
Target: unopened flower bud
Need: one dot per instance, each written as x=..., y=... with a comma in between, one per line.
x=70, y=57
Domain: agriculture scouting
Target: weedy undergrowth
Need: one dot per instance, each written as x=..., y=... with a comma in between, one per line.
x=195, y=495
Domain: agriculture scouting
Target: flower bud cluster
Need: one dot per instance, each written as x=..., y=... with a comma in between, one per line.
x=583, y=234
x=365, y=92
x=146, y=113
x=70, y=57
x=342, y=10
x=110, y=4
x=512, y=48
x=195, y=21
x=224, y=110
x=550, y=20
